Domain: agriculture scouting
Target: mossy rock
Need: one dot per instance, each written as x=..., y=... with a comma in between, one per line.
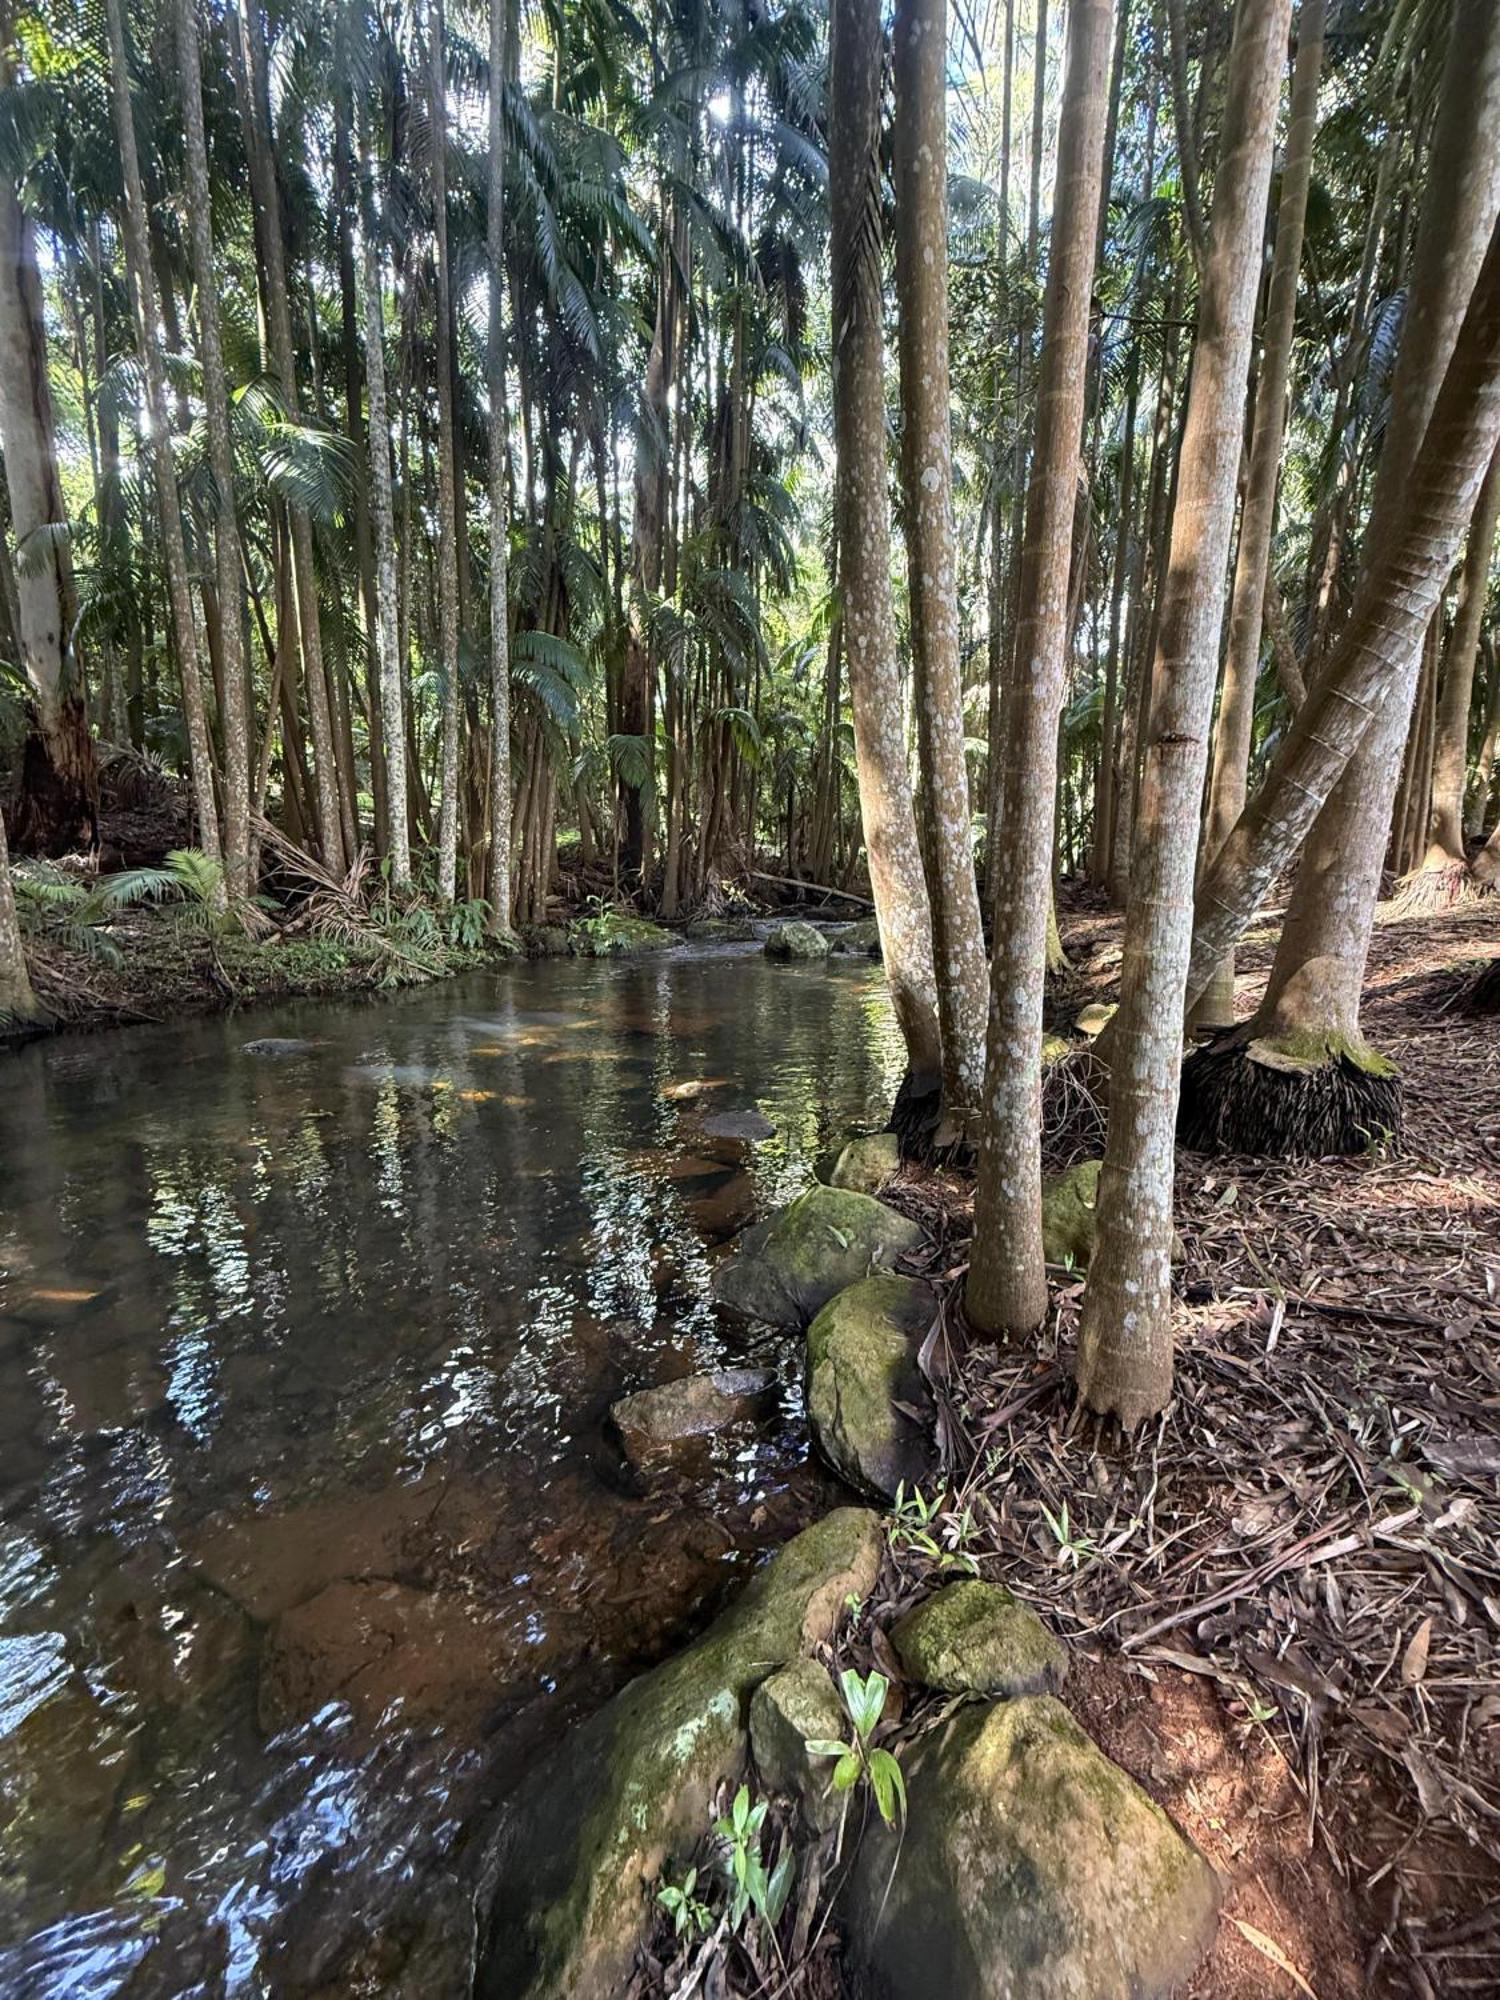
x=796, y=1706
x=547, y=941
x=1095, y=1018
x=861, y=1363
x=796, y=941
x=974, y=1638
x=1030, y=1865
x=861, y=940
x=1070, y=1218
x=623, y=937
x=863, y=1165
x=788, y=1267
x=721, y=930
x=587, y=1835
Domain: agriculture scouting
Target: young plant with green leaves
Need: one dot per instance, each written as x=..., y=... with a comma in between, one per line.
x=861, y=1759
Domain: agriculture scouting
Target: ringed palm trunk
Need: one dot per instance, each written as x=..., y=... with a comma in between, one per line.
x=921, y=143
x=1232, y=735
x=59, y=804
x=1307, y=1080
x=500, y=801
x=1446, y=857
x=150, y=346
x=1125, y=1337
x=1413, y=548
x=17, y=1001
x=863, y=519
x=437, y=101
x=229, y=560
x=1007, y=1285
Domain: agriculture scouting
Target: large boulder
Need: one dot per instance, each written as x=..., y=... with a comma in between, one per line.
x=788, y=1267
x=974, y=1638
x=585, y=1838
x=863, y=1165
x=1031, y=1865
x=690, y=1407
x=796, y=940
x=861, y=1364
x=796, y=1706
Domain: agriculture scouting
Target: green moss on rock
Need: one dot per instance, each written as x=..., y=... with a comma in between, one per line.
x=795, y=1706
x=974, y=1638
x=1030, y=1865
x=591, y=1827
x=1070, y=1220
x=863, y=1165
x=861, y=940
x=796, y=941
x=861, y=1363
x=788, y=1267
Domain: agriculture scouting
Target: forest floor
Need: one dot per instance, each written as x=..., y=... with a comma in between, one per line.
x=1284, y=1603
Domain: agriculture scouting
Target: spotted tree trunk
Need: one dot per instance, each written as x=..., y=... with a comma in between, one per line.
x=1445, y=851
x=499, y=795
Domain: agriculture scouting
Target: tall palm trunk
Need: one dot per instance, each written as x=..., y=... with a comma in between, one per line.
x=1307, y=1025
x=1125, y=1339
x=58, y=809
x=437, y=111
x=1445, y=852
x=150, y=347
x=17, y=1001
x=1007, y=1287
x=1232, y=735
x=500, y=801
x=862, y=505
x=921, y=148
x=229, y=561
x=276, y=296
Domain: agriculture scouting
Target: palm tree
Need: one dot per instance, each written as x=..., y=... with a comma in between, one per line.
x=17, y=1001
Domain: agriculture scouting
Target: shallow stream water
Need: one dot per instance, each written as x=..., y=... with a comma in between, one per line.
x=312, y=1526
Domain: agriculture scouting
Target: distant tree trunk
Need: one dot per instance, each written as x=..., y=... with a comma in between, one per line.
x=1445, y=853
x=1236, y=721
x=500, y=800
x=235, y=717
x=1477, y=815
x=447, y=504
x=1125, y=1338
x=863, y=510
x=150, y=348
x=1007, y=1286
x=1340, y=1090
x=58, y=808
x=255, y=106
x=17, y=1001
x=1413, y=544
x=921, y=153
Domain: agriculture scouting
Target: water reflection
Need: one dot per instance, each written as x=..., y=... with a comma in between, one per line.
x=312, y=1529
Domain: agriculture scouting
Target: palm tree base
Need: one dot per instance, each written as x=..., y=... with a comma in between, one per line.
x=1324, y=1096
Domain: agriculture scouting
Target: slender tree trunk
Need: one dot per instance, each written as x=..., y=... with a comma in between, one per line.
x=1125, y=1338
x=499, y=876
x=921, y=150
x=1007, y=1286
x=448, y=636
x=276, y=293
x=235, y=711
x=149, y=346
x=17, y=1001
x=1451, y=745
x=1232, y=736
x=1414, y=541
x=1477, y=815
x=1318, y=972
x=58, y=809
x=863, y=509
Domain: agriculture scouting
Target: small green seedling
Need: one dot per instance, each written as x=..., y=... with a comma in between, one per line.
x=750, y=1887
x=864, y=1701
x=1073, y=1550
x=689, y=1915
x=921, y=1525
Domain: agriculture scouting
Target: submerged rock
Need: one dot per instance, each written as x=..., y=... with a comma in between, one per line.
x=748, y=1125
x=279, y=1048
x=547, y=941
x=586, y=1836
x=795, y=1707
x=791, y=1265
x=1070, y=1215
x=721, y=930
x=861, y=1364
x=796, y=940
x=691, y=1407
x=974, y=1638
x=1031, y=1865
x=863, y=1165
